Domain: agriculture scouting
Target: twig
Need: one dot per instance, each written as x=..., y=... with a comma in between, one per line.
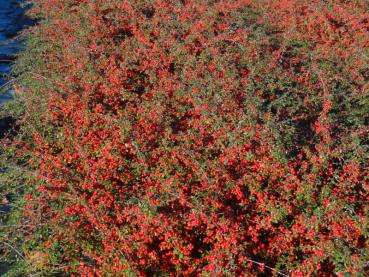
x=6, y=84
x=14, y=249
x=9, y=226
x=268, y=267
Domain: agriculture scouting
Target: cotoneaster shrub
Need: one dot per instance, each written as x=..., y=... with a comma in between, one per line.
x=198, y=137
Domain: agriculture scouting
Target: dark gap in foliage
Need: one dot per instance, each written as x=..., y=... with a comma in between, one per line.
x=172, y=68
x=304, y=130
x=7, y=124
x=121, y=34
x=327, y=266
x=174, y=207
x=200, y=247
x=149, y=12
x=179, y=124
x=365, y=73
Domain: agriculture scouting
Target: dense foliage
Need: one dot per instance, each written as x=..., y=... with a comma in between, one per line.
x=193, y=137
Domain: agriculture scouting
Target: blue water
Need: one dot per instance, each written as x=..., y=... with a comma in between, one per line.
x=12, y=20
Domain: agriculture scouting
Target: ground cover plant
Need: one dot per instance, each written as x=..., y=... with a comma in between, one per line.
x=195, y=138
